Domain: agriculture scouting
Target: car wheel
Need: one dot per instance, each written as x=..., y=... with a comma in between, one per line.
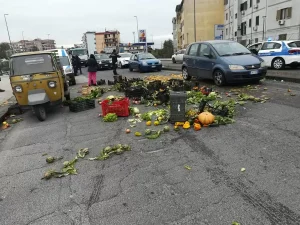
x=140, y=69
x=219, y=78
x=173, y=60
x=40, y=112
x=278, y=63
x=185, y=74
x=120, y=65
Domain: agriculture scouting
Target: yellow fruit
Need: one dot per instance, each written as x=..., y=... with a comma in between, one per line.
x=159, y=119
x=156, y=123
x=137, y=134
x=148, y=123
x=4, y=123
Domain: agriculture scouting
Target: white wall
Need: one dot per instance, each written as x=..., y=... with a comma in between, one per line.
x=91, y=42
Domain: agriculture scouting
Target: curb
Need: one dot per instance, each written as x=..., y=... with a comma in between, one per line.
x=268, y=76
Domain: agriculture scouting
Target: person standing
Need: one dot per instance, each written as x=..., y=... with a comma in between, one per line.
x=114, y=56
x=74, y=64
x=78, y=63
x=92, y=70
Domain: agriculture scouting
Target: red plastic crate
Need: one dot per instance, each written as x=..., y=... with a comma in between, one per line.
x=121, y=108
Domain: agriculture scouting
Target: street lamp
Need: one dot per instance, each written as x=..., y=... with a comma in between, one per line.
x=7, y=30
x=195, y=20
x=133, y=36
x=137, y=26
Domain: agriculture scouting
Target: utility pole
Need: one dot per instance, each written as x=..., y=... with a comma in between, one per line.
x=195, y=20
x=8, y=31
x=24, y=41
x=252, y=23
x=133, y=37
x=48, y=41
x=137, y=27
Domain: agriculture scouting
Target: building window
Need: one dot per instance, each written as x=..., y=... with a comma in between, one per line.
x=243, y=28
x=236, y=15
x=257, y=1
x=235, y=34
x=285, y=13
x=256, y=40
x=250, y=22
x=225, y=2
x=250, y=3
x=257, y=21
x=244, y=6
x=282, y=37
x=226, y=31
x=226, y=16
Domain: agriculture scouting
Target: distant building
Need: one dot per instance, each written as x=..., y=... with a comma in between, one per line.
x=33, y=45
x=89, y=42
x=208, y=14
x=107, y=41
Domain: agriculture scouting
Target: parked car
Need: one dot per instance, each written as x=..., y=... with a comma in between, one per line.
x=124, y=60
x=178, y=56
x=104, y=62
x=278, y=54
x=144, y=62
x=223, y=61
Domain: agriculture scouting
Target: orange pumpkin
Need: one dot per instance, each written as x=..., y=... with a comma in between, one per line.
x=197, y=126
x=206, y=118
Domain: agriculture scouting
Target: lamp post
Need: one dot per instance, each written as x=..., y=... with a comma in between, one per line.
x=137, y=27
x=7, y=30
x=133, y=37
x=23, y=41
x=195, y=20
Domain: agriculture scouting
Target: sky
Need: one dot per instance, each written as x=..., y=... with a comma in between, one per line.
x=66, y=20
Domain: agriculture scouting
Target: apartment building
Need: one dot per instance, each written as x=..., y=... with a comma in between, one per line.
x=107, y=41
x=89, y=42
x=33, y=45
x=208, y=14
x=251, y=21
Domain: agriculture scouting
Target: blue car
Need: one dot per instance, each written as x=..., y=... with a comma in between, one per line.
x=144, y=62
x=223, y=62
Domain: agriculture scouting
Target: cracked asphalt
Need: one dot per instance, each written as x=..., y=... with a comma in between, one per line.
x=150, y=185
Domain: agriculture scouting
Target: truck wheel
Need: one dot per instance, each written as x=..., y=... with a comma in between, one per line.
x=40, y=112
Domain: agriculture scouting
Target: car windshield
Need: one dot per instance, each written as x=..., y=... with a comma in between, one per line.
x=98, y=57
x=146, y=56
x=64, y=61
x=31, y=64
x=79, y=52
x=125, y=55
x=230, y=48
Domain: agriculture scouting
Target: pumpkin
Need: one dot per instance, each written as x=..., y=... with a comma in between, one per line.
x=186, y=125
x=206, y=118
x=197, y=126
x=148, y=123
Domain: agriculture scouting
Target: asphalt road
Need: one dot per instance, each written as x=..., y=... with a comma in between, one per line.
x=150, y=184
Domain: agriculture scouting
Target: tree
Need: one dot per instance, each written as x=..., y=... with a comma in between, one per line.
x=3, y=48
x=166, y=51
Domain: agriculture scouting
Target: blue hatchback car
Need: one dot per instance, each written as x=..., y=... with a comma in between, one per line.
x=144, y=62
x=223, y=61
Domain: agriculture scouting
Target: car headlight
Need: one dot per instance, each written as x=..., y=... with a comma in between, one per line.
x=52, y=84
x=263, y=64
x=18, y=89
x=236, y=67
x=145, y=63
x=69, y=70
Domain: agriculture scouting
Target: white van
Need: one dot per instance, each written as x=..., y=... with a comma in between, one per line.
x=66, y=64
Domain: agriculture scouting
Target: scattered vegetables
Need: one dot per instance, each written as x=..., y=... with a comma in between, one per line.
x=127, y=131
x=166, y=128
x=50, y=159
x=243, y=169
x=197, y=126
x=148, y=123
x=110, y=117
x=156, y=123
x=138, y=134
x=187, y=167
x=176, y=128
x=148, y=132
x=154, y=135
x=235, y=223
x=206, y=118
x=186, y=125
x=82, y=152
x=106, y=152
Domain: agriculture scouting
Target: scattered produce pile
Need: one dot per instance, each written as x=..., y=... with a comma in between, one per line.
x=12, y=119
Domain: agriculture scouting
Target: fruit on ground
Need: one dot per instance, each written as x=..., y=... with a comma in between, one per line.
x=148, y=123
x=206, y=118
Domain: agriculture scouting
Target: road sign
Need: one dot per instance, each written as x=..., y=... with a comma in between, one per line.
x=219, y=31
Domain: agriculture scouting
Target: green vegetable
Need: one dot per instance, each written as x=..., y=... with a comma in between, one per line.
x=235, y=223
x=110, y=117
x=50, y=159
x=136, y=110
x=166, y=128
x=82, y=152
x=154, y=135
x=148, y=132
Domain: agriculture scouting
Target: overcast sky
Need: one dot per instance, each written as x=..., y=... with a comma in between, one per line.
x=67, y=20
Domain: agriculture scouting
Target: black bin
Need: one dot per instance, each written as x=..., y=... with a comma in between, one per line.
x=177, y=106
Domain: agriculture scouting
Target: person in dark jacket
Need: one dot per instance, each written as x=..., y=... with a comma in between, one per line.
x=74, y=64
x=92, y=70
x=114, y=56
x=78, y=64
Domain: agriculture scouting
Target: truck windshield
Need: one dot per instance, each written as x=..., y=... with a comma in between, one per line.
x=31, y=64
x=79, y=52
